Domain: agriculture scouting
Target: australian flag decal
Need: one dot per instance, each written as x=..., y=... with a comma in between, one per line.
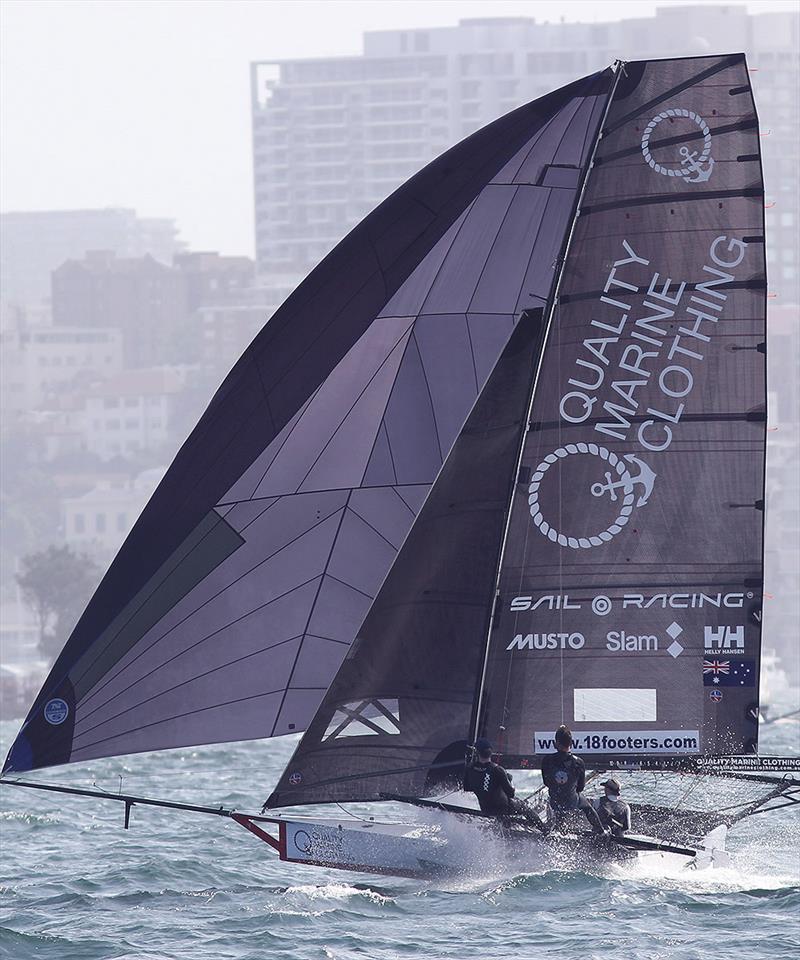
x=730, y=672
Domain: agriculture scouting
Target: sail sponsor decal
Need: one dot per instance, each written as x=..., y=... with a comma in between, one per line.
x=547, y=641
x=616, y=641
x=601, y=605
x=682, y=161
x=625, y=485
x=723, y=639
x=651, y=379
x=720, y=640
x=56, y=711
x=730, y=672
x=627, y=741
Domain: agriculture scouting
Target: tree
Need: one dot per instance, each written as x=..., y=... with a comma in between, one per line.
x=56, y=584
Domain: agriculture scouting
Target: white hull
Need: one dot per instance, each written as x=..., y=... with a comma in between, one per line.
x=427, y=850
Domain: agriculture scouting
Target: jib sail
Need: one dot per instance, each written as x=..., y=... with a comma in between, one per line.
x=230, y=606
x=627, y=601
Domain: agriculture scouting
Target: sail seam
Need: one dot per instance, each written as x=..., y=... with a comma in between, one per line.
x=156, y=587
x=228, y=586
x=311, y=612
x=430, y=399
x=404, y=502
x=354, y=404
x=373, y=528
x=298, y=419
x=543, y=220
x=514, y=194
x=453, y=242
x=183, y=683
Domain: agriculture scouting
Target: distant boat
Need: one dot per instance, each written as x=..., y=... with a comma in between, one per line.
x=496, y=464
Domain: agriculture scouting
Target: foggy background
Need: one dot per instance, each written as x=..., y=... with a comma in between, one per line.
x=171, y=171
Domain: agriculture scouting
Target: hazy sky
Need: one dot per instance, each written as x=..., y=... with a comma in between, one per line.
x=145, y=104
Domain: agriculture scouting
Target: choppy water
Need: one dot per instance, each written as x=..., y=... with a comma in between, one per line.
x=177, y=886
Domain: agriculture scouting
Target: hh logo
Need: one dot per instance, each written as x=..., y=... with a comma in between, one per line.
x=723, y=638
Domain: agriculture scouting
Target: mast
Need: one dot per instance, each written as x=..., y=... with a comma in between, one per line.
x=617, y=67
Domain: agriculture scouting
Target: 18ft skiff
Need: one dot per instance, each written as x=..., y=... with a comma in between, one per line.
x=496, y=464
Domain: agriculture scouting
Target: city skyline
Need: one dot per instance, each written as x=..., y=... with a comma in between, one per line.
x=86, y=141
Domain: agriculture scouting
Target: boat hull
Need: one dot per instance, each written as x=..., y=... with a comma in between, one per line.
x=426, y=850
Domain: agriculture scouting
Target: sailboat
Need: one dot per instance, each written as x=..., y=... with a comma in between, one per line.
x=495, y=465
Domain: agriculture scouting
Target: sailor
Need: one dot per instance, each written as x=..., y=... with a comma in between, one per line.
x=492, y=785
x=564, y=775
x=613, y=812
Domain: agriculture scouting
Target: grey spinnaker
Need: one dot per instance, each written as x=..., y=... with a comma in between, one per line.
x=231, y=604
x=662, y=505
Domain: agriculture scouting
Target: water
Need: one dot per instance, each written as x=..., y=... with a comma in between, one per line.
x=177, y=886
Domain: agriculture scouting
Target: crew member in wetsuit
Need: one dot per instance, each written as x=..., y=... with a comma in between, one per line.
x=613, y=812
x=564, y=775
x=492, y=785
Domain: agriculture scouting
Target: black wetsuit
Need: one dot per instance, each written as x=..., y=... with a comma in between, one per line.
x=491, y=785
x=564, y=775
x=615, y=814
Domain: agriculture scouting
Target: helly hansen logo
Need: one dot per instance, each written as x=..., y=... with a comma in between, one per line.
x=723, y=638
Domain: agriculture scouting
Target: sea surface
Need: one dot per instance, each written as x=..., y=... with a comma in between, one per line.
x=178, y=886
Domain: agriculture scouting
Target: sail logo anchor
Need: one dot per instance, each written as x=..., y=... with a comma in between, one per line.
x=693, y=168
x=619, y=484
x=645, y=476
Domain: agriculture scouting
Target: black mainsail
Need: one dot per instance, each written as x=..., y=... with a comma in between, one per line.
x=625, y=580
x=230, y=606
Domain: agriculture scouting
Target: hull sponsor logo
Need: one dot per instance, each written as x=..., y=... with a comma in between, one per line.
x=295, y=778
x=56, y=711
x=320, y=843
x=623, y=490
x=715, y=696
x=690, y=165
x=625, y=741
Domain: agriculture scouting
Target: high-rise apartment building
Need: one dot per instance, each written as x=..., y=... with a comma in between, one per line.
x=332, y=137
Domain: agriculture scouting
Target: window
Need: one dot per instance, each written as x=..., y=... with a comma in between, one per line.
x=78, y=523
x=122, y=522
x=100, y=523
